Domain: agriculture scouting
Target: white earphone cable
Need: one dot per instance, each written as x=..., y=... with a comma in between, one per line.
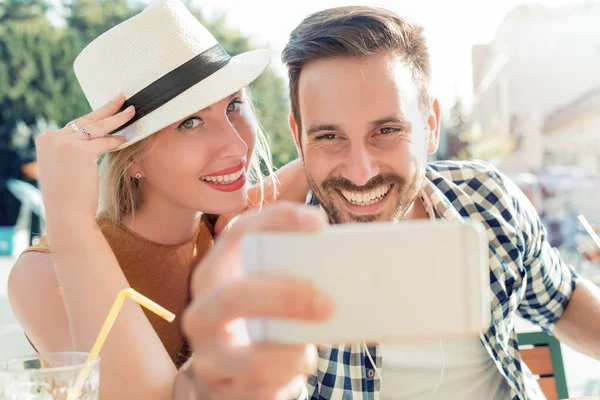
x=441, y=372
x=373, y=362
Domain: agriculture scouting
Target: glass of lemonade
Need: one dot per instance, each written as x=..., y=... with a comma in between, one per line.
x=48, y=376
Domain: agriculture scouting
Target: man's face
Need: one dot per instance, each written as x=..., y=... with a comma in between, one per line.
x=364, y=141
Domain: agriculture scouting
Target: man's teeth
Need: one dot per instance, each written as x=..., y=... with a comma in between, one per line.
x=223, y=179
x=367, y=199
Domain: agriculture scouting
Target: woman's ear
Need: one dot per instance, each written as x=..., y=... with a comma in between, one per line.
x=134, y=170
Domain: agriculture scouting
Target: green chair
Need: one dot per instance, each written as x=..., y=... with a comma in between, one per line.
x=542, y=354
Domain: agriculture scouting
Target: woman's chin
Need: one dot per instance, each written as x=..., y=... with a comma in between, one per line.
x=225, y=206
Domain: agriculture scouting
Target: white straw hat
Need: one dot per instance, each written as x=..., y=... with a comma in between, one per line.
x=167, y=65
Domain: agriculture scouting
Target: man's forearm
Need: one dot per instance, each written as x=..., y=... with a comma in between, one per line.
x=579, y=326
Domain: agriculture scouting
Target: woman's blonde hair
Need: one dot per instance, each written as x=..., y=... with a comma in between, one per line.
x=120, y=194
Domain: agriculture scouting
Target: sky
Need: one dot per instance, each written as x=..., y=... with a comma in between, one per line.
x=451, y=27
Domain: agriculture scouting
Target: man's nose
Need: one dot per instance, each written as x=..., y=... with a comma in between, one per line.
x=361, y=165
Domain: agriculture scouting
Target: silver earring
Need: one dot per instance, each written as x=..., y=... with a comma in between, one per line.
x=137, y=175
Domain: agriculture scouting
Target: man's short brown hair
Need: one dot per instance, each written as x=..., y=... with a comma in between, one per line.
x=357, y=31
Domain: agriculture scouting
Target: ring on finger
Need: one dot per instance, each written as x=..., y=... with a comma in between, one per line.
x=73, y=125
x=86, y=133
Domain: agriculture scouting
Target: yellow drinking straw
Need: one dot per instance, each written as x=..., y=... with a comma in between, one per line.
x=589, y=229
x=108, y=324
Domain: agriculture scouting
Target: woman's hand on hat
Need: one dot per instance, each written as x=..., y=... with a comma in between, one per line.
x=68, y=158
x=226, y=363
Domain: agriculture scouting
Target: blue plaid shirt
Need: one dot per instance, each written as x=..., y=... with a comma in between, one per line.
x=527, y=278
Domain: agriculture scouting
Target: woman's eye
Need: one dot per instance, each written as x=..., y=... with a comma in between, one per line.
x=235, y=105
x=190, y=123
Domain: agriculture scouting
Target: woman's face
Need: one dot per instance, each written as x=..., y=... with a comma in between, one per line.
x=200, y=162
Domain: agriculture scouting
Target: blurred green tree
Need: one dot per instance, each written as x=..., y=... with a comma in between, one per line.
x=30, y=82
x=90, y=18
x=22, y=10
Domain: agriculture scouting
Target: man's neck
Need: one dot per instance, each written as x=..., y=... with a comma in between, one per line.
x=416, y=211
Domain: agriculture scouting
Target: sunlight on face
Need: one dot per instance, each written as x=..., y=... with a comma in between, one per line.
x=364, y=140
x=200, y=162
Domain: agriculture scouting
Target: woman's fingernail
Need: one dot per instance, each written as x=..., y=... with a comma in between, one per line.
x=130, y=109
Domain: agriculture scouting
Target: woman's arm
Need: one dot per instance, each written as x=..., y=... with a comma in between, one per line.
x=134, y=363
x=291, y=185
x=36, y=300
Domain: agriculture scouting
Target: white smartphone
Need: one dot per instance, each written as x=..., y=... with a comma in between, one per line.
x=413, y=280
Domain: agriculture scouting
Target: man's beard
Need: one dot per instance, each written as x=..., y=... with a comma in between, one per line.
x=404, y=192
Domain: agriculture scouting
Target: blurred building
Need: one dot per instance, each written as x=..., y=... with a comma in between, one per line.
x=542, y=59
x=572, y=132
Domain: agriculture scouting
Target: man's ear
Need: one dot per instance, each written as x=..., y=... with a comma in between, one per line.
x=434, y=121
x=296, y=134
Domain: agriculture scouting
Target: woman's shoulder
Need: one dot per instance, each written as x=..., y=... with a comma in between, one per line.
x=36, y=299
x=43, y=246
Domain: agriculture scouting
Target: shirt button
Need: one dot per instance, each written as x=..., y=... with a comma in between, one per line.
x=370, y=373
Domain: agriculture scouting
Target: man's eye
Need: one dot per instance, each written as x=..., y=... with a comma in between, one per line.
x=387, y=130
x=235, y=105
x=327, y=136
x=190, y=123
